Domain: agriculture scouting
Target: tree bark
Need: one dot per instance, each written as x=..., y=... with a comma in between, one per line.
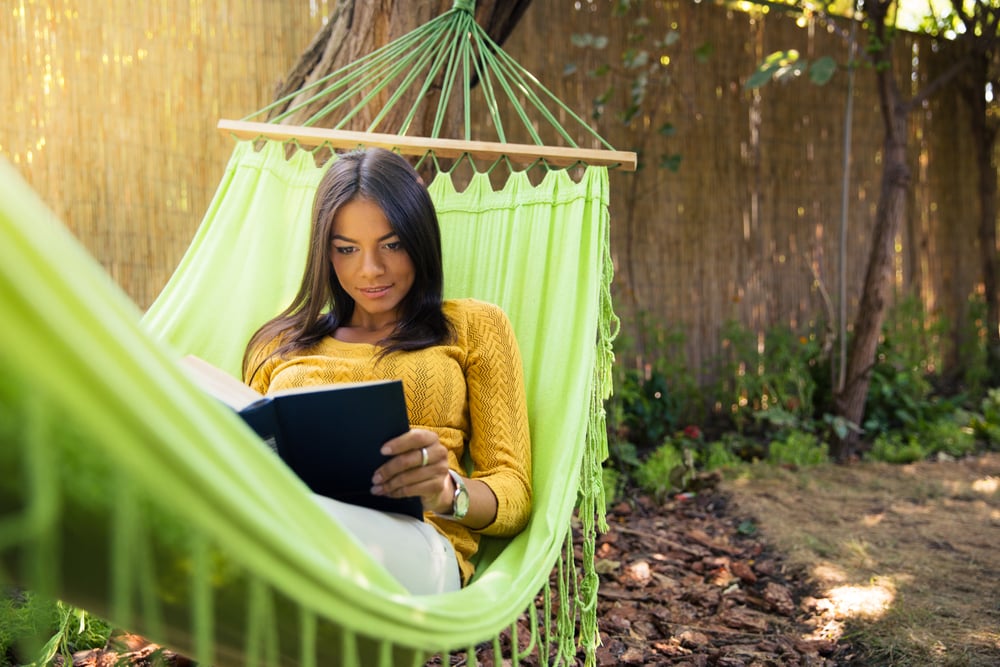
x=891, y=210
x=358, y=28
x=981, y=40
x=984, y=139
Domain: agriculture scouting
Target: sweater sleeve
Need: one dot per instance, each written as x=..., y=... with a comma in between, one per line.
x=499, y=446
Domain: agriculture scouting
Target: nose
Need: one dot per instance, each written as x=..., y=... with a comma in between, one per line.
x=372, y=265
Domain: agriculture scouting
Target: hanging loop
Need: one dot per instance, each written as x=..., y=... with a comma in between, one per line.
x=465, y=6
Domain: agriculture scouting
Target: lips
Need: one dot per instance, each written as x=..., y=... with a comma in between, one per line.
x=374, y=291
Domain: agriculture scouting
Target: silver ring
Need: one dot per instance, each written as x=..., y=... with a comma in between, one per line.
x=423, y=454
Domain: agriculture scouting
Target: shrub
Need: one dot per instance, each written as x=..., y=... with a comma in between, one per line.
x=798, y=449
x=948, y=436
x=719, y=454
x=895, y=447
x=765, y=372
x=666, y=470
x=986, y=426
x=25, y=616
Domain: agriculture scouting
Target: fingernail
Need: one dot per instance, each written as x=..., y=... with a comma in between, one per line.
x=376, y=490
x=377, y=478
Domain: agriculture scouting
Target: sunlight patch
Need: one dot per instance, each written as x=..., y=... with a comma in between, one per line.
x=986, y=486
x=870, y=601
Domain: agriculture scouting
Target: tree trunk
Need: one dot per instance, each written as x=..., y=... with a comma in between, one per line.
x=984, y=134
x=890, y=212
x=358, y=28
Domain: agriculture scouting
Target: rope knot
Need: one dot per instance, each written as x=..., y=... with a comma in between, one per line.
x=466, y=6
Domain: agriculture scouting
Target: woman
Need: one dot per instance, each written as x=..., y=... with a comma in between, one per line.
x=370, y=307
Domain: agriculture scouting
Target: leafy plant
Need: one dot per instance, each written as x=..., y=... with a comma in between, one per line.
x=987, y=425
x=654, y=389
x=25, y=616
x=896, y=447
x=666, y=470
x=720, y=454
x=948, y=436
x=765, y=376
x=900, y=394
x=783, y=66
x=649, y=408
x=634, y=79
x=798, y=449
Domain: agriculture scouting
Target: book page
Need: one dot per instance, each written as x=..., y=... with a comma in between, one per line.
x=219, y=383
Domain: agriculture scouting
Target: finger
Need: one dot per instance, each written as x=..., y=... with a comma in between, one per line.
x=413, y=439
x=423, y=481
x=419, y=457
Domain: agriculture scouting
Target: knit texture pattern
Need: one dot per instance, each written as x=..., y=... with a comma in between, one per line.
x=469, y=391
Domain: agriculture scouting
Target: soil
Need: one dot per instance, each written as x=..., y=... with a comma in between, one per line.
x=862, y=564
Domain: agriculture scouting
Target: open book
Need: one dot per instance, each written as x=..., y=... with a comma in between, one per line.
x=329, y=435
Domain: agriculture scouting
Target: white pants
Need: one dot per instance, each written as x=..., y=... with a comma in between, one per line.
x=420, y=557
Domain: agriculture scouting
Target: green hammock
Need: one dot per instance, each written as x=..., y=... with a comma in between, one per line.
x=128, y=492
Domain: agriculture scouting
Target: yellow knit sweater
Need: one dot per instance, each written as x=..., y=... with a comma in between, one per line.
x=469, y=391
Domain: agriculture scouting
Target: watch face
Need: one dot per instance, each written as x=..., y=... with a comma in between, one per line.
x=461, y=503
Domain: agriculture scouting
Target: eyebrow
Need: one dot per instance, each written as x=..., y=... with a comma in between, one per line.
x=339, y=237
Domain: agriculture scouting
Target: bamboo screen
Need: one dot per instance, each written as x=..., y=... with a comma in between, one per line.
x=747, y=229
x=112, y=108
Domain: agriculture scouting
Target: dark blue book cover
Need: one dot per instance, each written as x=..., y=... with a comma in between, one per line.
x=330, y=435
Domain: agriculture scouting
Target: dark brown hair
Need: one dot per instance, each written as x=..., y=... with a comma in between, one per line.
x=321, y=304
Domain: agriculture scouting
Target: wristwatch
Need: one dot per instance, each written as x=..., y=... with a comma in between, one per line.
x=460, y=503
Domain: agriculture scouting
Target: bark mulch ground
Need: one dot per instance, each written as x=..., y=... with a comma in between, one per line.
x=689, y=582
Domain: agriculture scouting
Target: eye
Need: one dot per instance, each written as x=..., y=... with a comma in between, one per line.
x=393, y=245
x=344, y=249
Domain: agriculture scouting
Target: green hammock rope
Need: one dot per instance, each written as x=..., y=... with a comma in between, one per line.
x=452, y=50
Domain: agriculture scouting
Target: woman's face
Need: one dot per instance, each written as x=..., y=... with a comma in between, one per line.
x=370, y=263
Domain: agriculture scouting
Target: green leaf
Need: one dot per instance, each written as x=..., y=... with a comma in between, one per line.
x=586, y=39
x=667, y=130
x=672, y=37
x=760, y=77
x=626, y=116
x=569, y=69
x=600, y=41
x=704, y=52
x=671, y=162
x=789, y=71
x=599, y=71
x=822, y=70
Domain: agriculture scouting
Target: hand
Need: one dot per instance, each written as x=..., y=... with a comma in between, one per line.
x=405, y=473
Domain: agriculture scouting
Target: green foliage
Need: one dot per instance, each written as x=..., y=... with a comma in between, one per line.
x=900, y=393
x=798, y=449
x=765, y=373
x=654, y=391
x=986, y=426
x=719, y=454
x=24, y=617
x=783, y=66
x=666, y=470
x=649, y=407
x=972, y=351
x=770, y=400
x=633, y=79
x=947, y=435
x=896, y=447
